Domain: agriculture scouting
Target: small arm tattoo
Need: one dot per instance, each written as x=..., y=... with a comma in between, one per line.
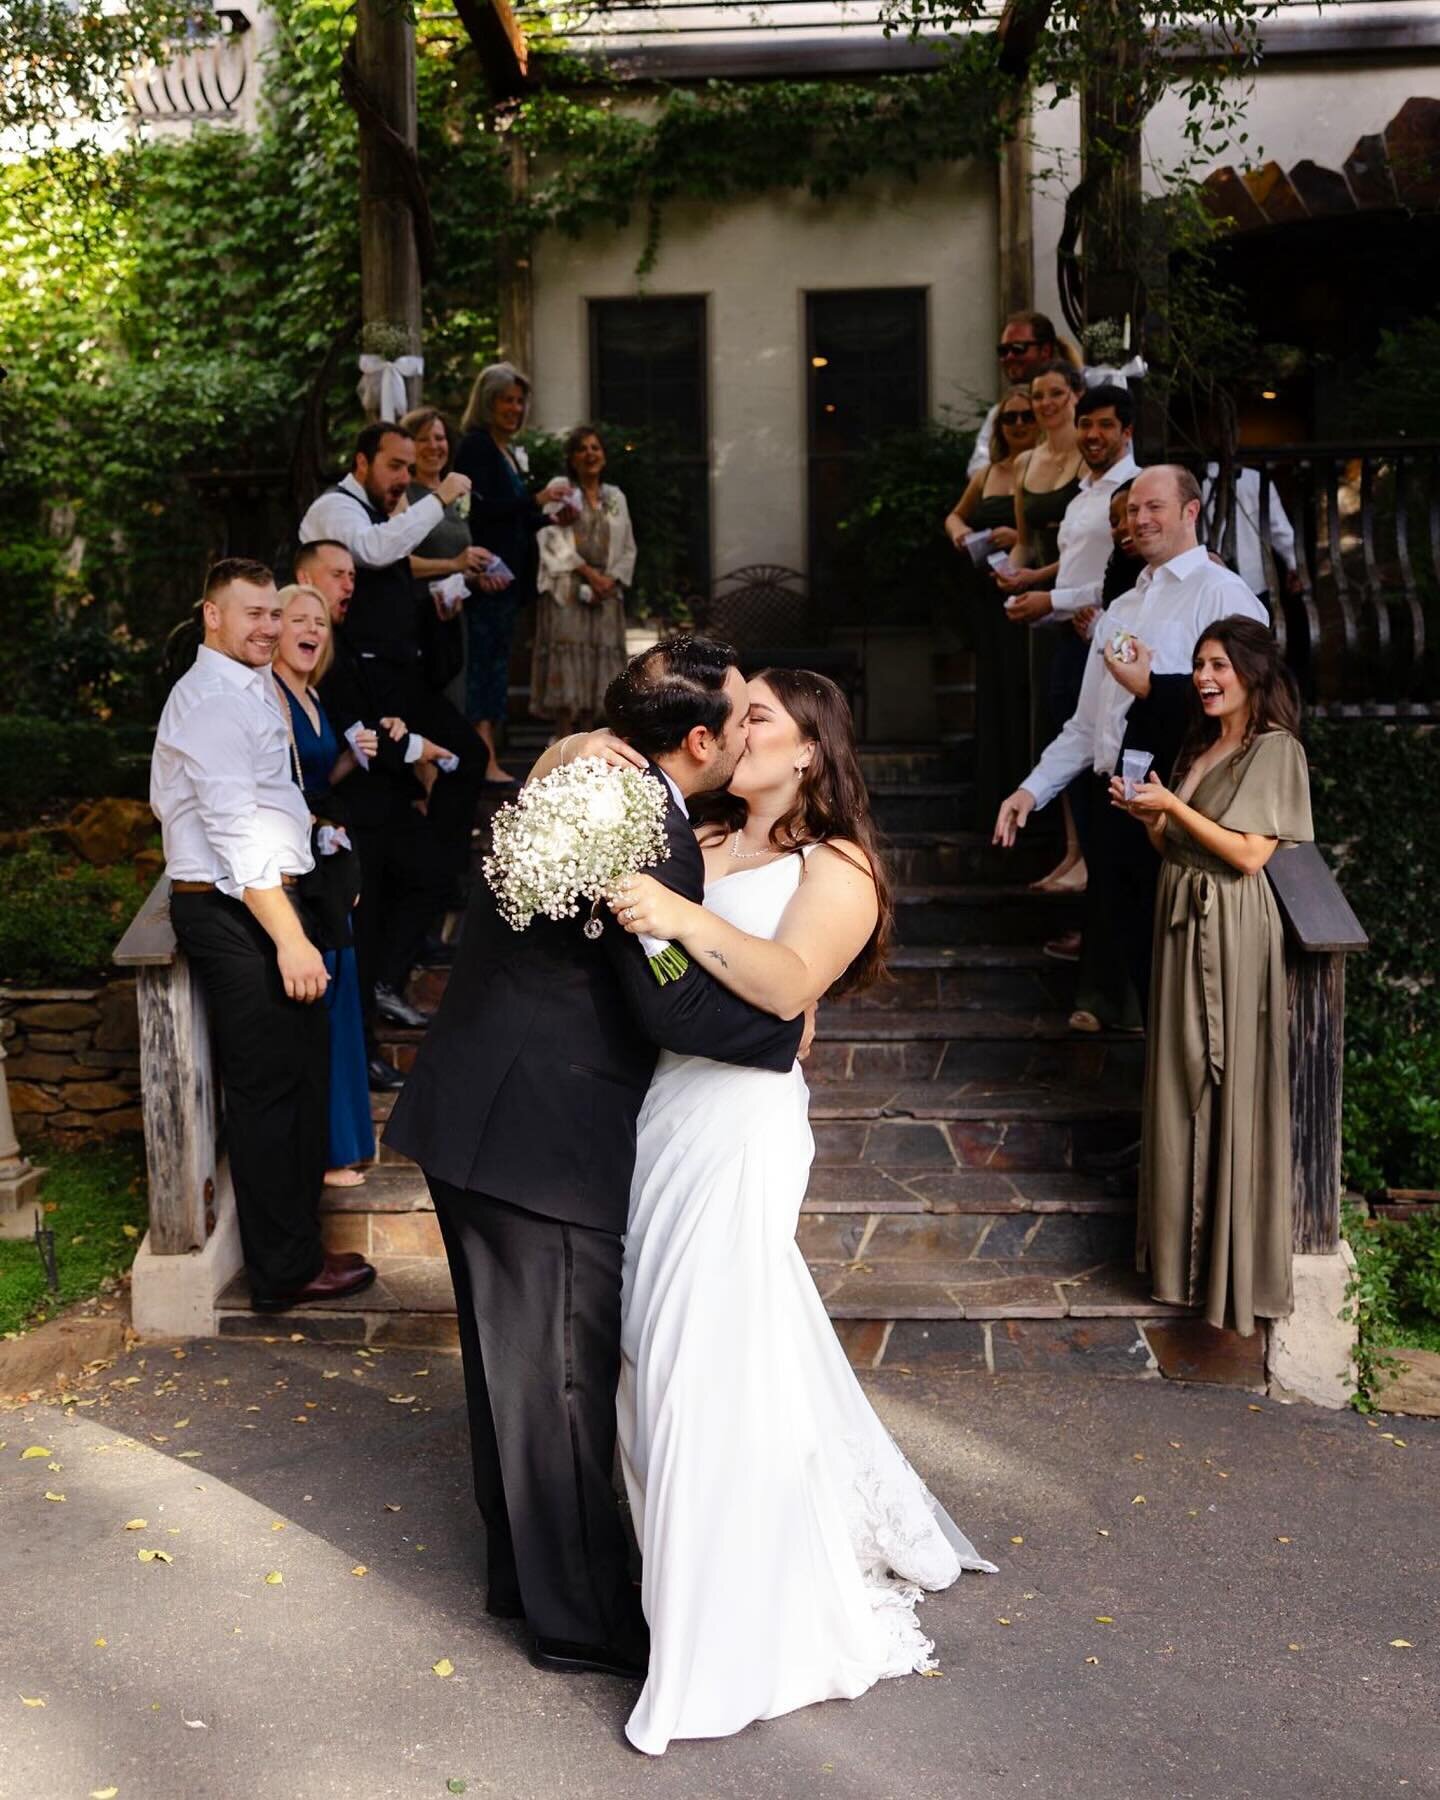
x=719, y=958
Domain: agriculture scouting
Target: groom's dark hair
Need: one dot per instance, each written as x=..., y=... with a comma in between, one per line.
x=666, y=691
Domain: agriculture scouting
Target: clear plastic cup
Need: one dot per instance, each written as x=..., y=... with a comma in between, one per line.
x=1135, y=765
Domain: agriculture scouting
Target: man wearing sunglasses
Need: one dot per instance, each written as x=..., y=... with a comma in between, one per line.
x=1027, y=343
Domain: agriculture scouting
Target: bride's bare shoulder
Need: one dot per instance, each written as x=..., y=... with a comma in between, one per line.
x=835, y=855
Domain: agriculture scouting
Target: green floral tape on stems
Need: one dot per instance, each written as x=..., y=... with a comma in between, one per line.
x=669, y=964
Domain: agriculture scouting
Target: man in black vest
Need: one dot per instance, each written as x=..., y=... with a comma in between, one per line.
x=522, y=1109
x=366, y=514
x=404, y=863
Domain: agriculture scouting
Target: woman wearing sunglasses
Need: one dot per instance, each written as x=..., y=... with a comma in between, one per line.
x=1002, y=703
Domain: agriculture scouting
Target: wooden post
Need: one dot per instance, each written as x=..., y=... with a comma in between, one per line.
x=384, y=65
x=517, y=287
x=1017, y=243
x=179, y=1094
x=179, y=1097
x=1320, y=931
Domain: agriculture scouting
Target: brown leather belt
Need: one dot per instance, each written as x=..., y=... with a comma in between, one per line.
x=209, y=887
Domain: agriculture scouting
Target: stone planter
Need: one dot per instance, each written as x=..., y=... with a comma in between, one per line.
x=73, y=1061
x=1414, y=1389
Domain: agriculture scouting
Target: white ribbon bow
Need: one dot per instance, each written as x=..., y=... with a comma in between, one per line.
x=382, y=384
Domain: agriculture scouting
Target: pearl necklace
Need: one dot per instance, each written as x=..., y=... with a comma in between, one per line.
x=737, y=855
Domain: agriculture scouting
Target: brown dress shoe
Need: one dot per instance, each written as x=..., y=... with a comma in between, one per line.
x=338, y=1277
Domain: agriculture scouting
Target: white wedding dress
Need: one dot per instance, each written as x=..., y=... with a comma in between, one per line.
x=785, y=1538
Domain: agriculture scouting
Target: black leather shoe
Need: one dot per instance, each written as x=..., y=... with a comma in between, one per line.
x=398, y=1010
x=385, y=1078
x=335, y=1281
x=586, y=1659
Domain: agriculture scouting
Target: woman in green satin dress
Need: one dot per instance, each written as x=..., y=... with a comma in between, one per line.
x=1002, y=673
x=1214, y=1226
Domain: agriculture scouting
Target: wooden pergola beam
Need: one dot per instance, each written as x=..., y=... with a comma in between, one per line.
x=500, y=43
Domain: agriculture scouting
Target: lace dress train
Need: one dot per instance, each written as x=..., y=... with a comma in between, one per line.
x=786, y=1540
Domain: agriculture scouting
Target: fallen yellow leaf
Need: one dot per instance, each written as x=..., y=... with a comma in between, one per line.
x=131, y=1231
x=179, y=1424
x=110, y=1792
x=1282, y=1540
x=1017, y=1540
x=26, y=1701
x=277, y=1525
x=401, y=1399
x=1092, y=1661
x=35, y=1450
x=190, y=1455
x=328, y=1374
x=1401, y=1644
x=50, y=1496
x=136, y=1524
x=100, y=1644
x=1103, y=1619
x=359, y=1569
x=443, y=1668
x=934, y=1674
x=53, y=1467
x=1100, y=1533
x=1254, y=1408
x=1002, y=1621
x=1399, y=1443
x=391, y=1507
x=1139, y=1500
x=155, y=1556
x=274, y=1579
x=1292, y=1646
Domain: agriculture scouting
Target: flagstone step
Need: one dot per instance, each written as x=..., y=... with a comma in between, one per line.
x=1008, y=976
x=922, y=805
x=976, y=913
x=967, y=856
x=893, y=764
x=885, y=1272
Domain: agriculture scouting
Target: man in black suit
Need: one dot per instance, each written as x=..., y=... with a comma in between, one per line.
x=521, y=1109
x=405, y=863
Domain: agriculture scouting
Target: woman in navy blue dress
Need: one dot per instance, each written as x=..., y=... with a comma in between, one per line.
x=303, y=655
x=506, y=518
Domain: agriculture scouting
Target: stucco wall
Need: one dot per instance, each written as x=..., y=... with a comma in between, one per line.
x=754, y=262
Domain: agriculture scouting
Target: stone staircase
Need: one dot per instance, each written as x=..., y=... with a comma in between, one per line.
x=946, y=1216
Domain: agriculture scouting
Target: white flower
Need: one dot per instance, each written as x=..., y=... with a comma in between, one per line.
x=571, y=837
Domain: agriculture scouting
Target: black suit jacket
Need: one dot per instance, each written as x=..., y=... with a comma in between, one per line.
x=382, y=793
x=530, y=1079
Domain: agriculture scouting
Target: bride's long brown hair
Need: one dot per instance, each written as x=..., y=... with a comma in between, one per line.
x=832, y=802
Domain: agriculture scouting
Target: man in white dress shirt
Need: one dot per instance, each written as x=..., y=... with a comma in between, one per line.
x=237, y=836
x=1249, y=554
x=1135, y=692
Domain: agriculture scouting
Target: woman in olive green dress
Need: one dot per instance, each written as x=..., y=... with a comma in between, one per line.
x=1214, y=1226
x=1002, y=671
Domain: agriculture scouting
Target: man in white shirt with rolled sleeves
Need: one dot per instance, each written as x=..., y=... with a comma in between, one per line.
x=1135, y=686
x=237, y=838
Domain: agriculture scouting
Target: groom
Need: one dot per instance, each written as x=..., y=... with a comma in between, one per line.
x=521, y=1110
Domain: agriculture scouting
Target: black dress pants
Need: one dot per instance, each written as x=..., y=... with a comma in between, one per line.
x=539, y=1307
x=403, y=884
x=274, y=1057
x=1129, y=871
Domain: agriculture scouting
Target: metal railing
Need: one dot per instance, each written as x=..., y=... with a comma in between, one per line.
x=1360, y=619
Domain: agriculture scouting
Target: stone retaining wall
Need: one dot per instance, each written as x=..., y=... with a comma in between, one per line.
x=72, y=1061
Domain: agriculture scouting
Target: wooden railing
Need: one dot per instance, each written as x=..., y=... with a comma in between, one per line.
x=179, y=1092
x=1361, y=629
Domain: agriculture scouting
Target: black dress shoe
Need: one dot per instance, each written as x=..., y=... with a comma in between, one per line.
x=398, y=1010
x=384, y=1077
x=586, y=1659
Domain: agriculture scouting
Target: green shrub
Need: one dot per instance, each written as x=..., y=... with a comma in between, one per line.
x=60, y=919
x=42, y=760
x=1371, y=785
x=1393, y=1297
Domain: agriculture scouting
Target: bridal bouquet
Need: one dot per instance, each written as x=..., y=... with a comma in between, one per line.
x=575, y=835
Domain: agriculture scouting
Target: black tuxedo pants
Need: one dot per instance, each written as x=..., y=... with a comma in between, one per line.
x=274, y=1057
x=403, y=887
x=539, y=1308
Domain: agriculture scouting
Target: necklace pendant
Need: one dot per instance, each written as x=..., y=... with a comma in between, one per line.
x=592, y=928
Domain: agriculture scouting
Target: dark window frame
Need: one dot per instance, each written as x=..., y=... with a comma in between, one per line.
x=700, y=459
x=919, y=297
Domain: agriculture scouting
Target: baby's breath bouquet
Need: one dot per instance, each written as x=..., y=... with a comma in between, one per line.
x=575, y=835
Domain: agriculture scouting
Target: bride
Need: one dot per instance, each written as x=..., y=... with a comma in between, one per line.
x=786, y=1540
